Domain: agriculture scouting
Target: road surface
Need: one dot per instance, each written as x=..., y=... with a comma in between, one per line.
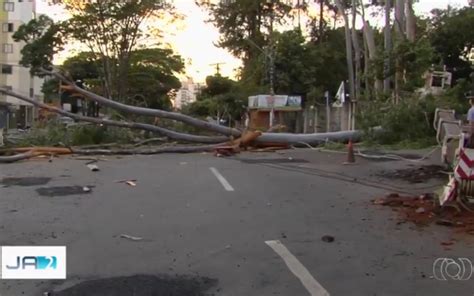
x=201, y=225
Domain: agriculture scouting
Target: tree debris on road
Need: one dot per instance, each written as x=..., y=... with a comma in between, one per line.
x=132, y=238
x=93, y=167
x=228, y=136
x=424, y=211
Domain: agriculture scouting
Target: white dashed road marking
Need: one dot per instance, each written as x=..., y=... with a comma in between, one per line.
x=308, y=281
x=221, y=179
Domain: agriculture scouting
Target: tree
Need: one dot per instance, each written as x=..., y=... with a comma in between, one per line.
x=217, y=85
x=222, y=98
x=111, y=30
x=43, y=39
x=451, y=33
x=83, y=66
x=246, y=26
x=350, y=60
x=151, y=76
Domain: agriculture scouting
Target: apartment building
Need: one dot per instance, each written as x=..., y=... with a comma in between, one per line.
x=14, y=13
x=187, y=93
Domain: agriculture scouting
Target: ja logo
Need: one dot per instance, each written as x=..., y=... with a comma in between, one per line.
x=34, y=262
x=459, y=269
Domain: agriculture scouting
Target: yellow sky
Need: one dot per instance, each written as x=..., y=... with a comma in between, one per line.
x=195, y=39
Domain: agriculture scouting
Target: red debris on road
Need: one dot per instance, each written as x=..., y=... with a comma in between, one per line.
x=424, y=210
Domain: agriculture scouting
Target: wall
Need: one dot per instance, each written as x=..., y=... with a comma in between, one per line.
x=20, y=79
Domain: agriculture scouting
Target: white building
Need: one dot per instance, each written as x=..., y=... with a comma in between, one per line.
x=14, y=13
x=187, y=93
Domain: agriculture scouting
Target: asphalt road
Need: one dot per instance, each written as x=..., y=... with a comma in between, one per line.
x=219, y=226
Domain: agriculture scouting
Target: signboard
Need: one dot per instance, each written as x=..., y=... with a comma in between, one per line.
x=276, y=101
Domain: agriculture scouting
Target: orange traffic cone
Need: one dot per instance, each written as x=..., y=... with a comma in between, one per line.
x=350, y=153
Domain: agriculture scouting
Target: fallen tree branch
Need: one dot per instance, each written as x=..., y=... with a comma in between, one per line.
x=40, y=150
x=147, y=151
x=141, y=143
x=100, y=146
x=18, y=157
x=147, y=111
x=132, y=125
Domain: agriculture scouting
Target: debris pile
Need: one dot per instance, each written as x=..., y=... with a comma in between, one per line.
x=246, y=142
x=424, y=210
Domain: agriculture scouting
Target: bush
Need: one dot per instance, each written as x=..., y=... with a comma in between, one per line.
x=55, y=133
x=409, y=121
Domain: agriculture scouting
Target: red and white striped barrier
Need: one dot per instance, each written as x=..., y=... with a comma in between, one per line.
x=465, y=167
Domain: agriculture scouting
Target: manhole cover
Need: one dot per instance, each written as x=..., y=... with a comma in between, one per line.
x=141, y=285
x=272, y=160
x=24, y=181
x=64, y=190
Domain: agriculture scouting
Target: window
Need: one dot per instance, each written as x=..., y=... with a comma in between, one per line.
x=7, y=69
x=8, y=6
x=20, y=0
x=7, y=27
x=32, y=92
x=7, y=47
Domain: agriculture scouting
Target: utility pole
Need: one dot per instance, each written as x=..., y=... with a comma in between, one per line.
x=388, y=46
x=272, y=65
x=218, y=68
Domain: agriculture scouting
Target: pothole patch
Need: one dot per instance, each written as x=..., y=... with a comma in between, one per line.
x=64, y=190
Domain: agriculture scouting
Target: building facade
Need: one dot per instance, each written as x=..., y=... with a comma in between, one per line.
x=187, y=93
x=14, y=13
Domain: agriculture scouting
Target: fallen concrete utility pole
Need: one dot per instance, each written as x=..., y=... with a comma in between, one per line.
x=147, y=111
x=132, y=125
x=311, y=139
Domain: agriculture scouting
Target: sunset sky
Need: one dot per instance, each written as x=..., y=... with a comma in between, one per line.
x=194, y=39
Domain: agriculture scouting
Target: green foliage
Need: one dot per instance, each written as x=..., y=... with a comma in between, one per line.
x=50, y=89
x=413, y=59
x=326, y=65
x=49, y=135
x=43, y=39
x=92, y=134
x=243, y=20
x=302, y=67
x=411, y=120
x=221, y=96
x=217, y=85
x=291, y=63
x=152, y=76
x=201, y=108
x=55, y=133
x=454, y=98
x=110, y=29
x=452, y=35
x=82, y=66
